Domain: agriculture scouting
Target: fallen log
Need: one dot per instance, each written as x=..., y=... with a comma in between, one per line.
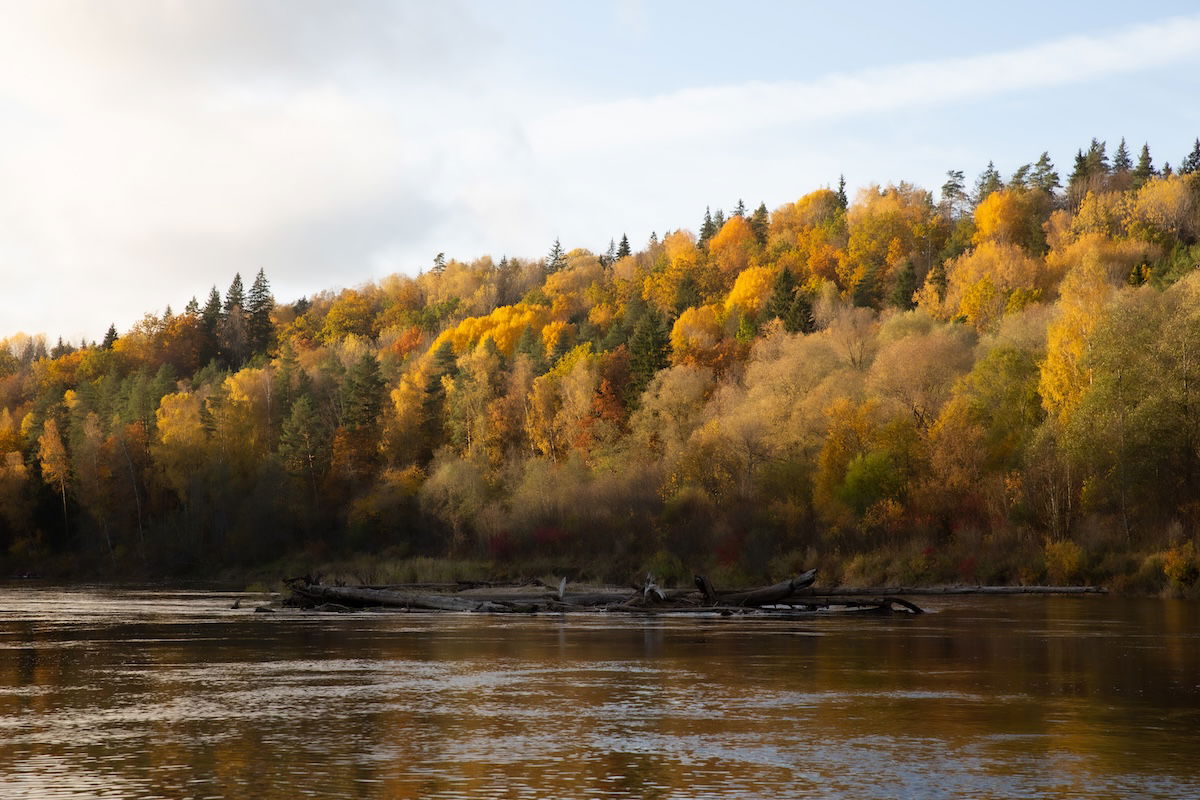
x=359, y=597
x=756, y=597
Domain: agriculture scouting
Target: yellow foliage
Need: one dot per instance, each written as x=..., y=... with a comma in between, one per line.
x=752, y=289
x=1084, y=293
x=1103, y=213
x=733, y=245
x=696, y=329
x=1114, y=257
x=980, y=283
x=1163, y=208
x=178, y=420
x=504, y=326
x=1012, y=216
x=884, y=226
x=553, y=332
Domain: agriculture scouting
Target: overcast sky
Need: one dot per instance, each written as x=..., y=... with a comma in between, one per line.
x=151, y=148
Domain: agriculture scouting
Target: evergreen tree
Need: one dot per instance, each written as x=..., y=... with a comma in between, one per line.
x=1097, y=160
x=740, y=209
x=707, y=228
x=1044, y=176
x=782, y=295
x=904, y=288
x=718, y=221
x=212, y=311
x=192, y=309
x=1020, y=177
x=439, y=263
x=556, y=260
x=529, y=345
x=1191, y=162
x=362, y=394
x=433, y=407
x=1144, y=170
x=649, y=347
x=1121, y=160
x=110, y=338
x=304, y=442
x=610, y=255
x=235, y=297
x=623, y=248
x=842, y=201
x=954, y=196
x=988, y=182
x=687, y=294
x=259, y=304
x=760, y=223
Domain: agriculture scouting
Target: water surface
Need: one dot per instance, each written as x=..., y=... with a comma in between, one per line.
x=150, y=694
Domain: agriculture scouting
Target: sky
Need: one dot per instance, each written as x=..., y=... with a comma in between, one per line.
x=150, y=149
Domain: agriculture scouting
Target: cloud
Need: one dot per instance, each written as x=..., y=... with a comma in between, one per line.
x=723, y=110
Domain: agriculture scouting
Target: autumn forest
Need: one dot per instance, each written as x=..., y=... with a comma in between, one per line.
x=997, y=381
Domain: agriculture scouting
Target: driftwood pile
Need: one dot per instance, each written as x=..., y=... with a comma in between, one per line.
x=793, y=596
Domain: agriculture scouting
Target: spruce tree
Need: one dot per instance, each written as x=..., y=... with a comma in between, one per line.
x=212, y=311
x=782, y=295
x=623, y=248
x=362, y=394
x=1191, y=162
x=110, y=338
x=1144, y=170
x=707, y=228
x=649, y=347
x=760, y=223
x=740, y=209
x=1121, y=160
x=1097, y=159
x=259, y=304
x=192, y=309
x=304, y=442
x=687, y=294
x=842, y=201
x=235, y=296
x=556, y=259
x=904, y=288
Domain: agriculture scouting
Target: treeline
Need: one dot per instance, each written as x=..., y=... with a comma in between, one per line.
x=1002, y=384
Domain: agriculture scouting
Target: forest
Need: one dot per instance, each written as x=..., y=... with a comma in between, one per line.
x=996, y=383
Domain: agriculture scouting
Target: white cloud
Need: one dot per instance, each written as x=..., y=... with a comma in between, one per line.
x=723, y=110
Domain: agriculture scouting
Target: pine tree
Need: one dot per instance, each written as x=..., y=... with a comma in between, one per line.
x=110, y=338
x=1144, y=170
x=556, y=260
x=760, y=223
x=740, y=209
x=304, y=442
x=439, y=263
x=1121, y=161
x=1191, y=162
x=362, y=394
x=259, y=305
x=1097, y=159
x=988, y=182
x=192, y=309
x=1020, y=177
x=623, y=248
x=718, y=221
x=1044, y=176
x=954, y=195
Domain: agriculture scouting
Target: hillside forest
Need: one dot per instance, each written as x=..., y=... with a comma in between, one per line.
x=999, y=382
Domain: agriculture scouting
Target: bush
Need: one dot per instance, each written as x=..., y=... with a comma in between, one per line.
x=1064, y=561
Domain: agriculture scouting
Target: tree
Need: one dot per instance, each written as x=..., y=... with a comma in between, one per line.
x=110, y=338
x=1191, y=162
x=842, y=200
x=304, y=442
x=904, y=288
x=439, y=263
x=235, y=295
x=259, y=305
x=649, y=350
x=759, y=223
x=1144, y=170
x=1121, y=161
x=56, y=465
x=987, y=182
x=556, y=260
x=1044, y=176
x=740, y=209
x=623, y=248
x=707, y=228
x=954, y=197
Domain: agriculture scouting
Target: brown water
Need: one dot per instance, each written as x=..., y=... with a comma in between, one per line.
x=108, y=693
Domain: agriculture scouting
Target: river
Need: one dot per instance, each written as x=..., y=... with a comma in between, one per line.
x=153, y=694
